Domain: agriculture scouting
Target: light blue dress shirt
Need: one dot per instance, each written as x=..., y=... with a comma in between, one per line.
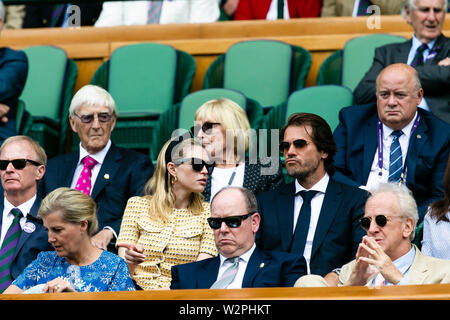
x=436, y=237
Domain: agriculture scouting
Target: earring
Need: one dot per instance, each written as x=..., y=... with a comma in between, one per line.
x=174, y=179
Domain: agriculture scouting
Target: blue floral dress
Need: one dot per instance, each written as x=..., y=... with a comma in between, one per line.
x=108, y=273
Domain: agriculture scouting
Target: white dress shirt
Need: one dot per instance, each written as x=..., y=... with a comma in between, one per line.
x=316, y=206
x=243, y=262
x=8, y=217
x=374, y=177
x=272, y=14
x=221, y=176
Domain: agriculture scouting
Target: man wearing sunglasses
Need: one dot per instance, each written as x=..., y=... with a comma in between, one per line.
x=22, y=234
x=108, y=173
x=240, y=264
x=386, y=255
x=394, y=140
x=314, y=216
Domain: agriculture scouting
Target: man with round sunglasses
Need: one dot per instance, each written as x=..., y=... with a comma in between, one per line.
x=386, y=255
x=22, y=234
x=240, y=264
x=108, y=173
x=314, y=216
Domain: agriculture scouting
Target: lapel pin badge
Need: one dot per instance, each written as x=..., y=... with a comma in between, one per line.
x=419, y=136
x=106, y=176
x=29, y=227
x=261, y=265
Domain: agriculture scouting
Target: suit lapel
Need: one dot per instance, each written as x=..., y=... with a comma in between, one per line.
x=416, y=142
x=107, y=171
x=210, y=270
x=328, y=211
x=419, y=269
x=254, y=265
x=402, y=52
x=70, y=165
x=370, y=145
x=285, y=216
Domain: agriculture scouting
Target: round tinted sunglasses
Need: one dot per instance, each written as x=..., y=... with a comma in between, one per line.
x=88, y=118
x=196, y=163
x=381, y=220
x=17, y=163
x=231, y=222
x=206, y=127
x=299, y=143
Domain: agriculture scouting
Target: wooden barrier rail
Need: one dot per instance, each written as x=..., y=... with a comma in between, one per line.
x=411, y=292
x=90, y=46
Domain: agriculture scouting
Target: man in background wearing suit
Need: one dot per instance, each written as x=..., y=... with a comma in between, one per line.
x=315, y=216
x=13, y=74
x=394, y=140
x=109, y=174
x=340, y=8
x=23, y=236
x=386, y=255
x=240, y=264
x=428, y=52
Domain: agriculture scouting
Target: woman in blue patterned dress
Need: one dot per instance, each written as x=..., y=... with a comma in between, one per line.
x=76, y=265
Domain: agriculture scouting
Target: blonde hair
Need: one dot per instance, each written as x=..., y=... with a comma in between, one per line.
x=74, y=206
x=231, y=116
x=159, y=188
x=40, y=152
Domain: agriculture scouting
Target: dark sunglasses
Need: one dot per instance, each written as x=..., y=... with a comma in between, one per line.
x=17, y=163
x=205, y=128
x=381, y=220
x=102, y=117
x=196, y=163
x=231, y=222
x=299, y=143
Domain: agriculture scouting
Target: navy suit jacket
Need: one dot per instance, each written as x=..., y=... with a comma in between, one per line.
x=123, y=175
x=338, y=231
x=264, y=269
x=30, y=244
x=428, y=151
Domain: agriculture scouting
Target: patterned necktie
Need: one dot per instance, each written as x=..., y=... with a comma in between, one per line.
x=418, y=57
x=302, y=226
x=280, y=9
x=395, y=158
x=154, y=12
x=8, y=249
x=84, y=181
x=362, y=7
x=56, y=14
x=228, y=276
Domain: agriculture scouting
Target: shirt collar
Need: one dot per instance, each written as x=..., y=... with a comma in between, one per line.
x=416, y=43
x=406, y=130
x=404, y=262
x=25, y=207
x=320, y=186
x=99, y=156
x=245, y=257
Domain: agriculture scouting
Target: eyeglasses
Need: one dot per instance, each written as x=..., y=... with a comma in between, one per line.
x=299, y=143
x=381, y=220
x=17, y=163
x=231, y=222
x=205, y=128
x=102, y=117
x=196, y=163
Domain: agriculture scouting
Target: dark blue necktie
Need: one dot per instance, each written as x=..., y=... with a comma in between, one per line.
x=395, y=158
x=302, y=227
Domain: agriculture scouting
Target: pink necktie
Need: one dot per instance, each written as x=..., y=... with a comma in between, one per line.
x=84, y=181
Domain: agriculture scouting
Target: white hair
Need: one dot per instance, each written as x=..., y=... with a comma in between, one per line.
x=92, y=95
x=412, y=5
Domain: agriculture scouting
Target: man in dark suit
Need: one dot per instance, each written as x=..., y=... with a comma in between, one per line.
x=13, y=74
x=240, y=264
x=22, y=165
x=431, y=62
x=109, y=174
x=315, y=216
x=366, y=133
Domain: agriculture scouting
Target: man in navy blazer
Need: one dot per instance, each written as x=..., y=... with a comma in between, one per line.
x=364, y=137
x=13, y=74
x=235, y=220
x=328, y=233
x=118, y=173
x=19, y=186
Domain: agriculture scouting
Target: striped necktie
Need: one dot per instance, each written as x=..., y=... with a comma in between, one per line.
x=395, y=158
x=418, y=57
x=362, y=7
x=280, y=9
x=8, y=249
x=56, y=14
x=154, y=12
x=228, y=276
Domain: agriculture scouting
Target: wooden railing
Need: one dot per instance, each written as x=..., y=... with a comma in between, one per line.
x=90, y=46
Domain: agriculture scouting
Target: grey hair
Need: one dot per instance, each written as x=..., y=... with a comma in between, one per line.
x=92, y=95
x=249, y=198
x=406, y=203
x=2, y=11
x=412, y=5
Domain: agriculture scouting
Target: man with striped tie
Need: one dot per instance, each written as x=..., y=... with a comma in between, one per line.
x=22, y=234
x=394, y=140
x=428, y=52
x=240, y=264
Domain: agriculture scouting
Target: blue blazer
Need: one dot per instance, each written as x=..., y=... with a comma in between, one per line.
x=123, y=175
x=264, y=269
x=338, y=232
x=30, y=244
x=428, y=151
